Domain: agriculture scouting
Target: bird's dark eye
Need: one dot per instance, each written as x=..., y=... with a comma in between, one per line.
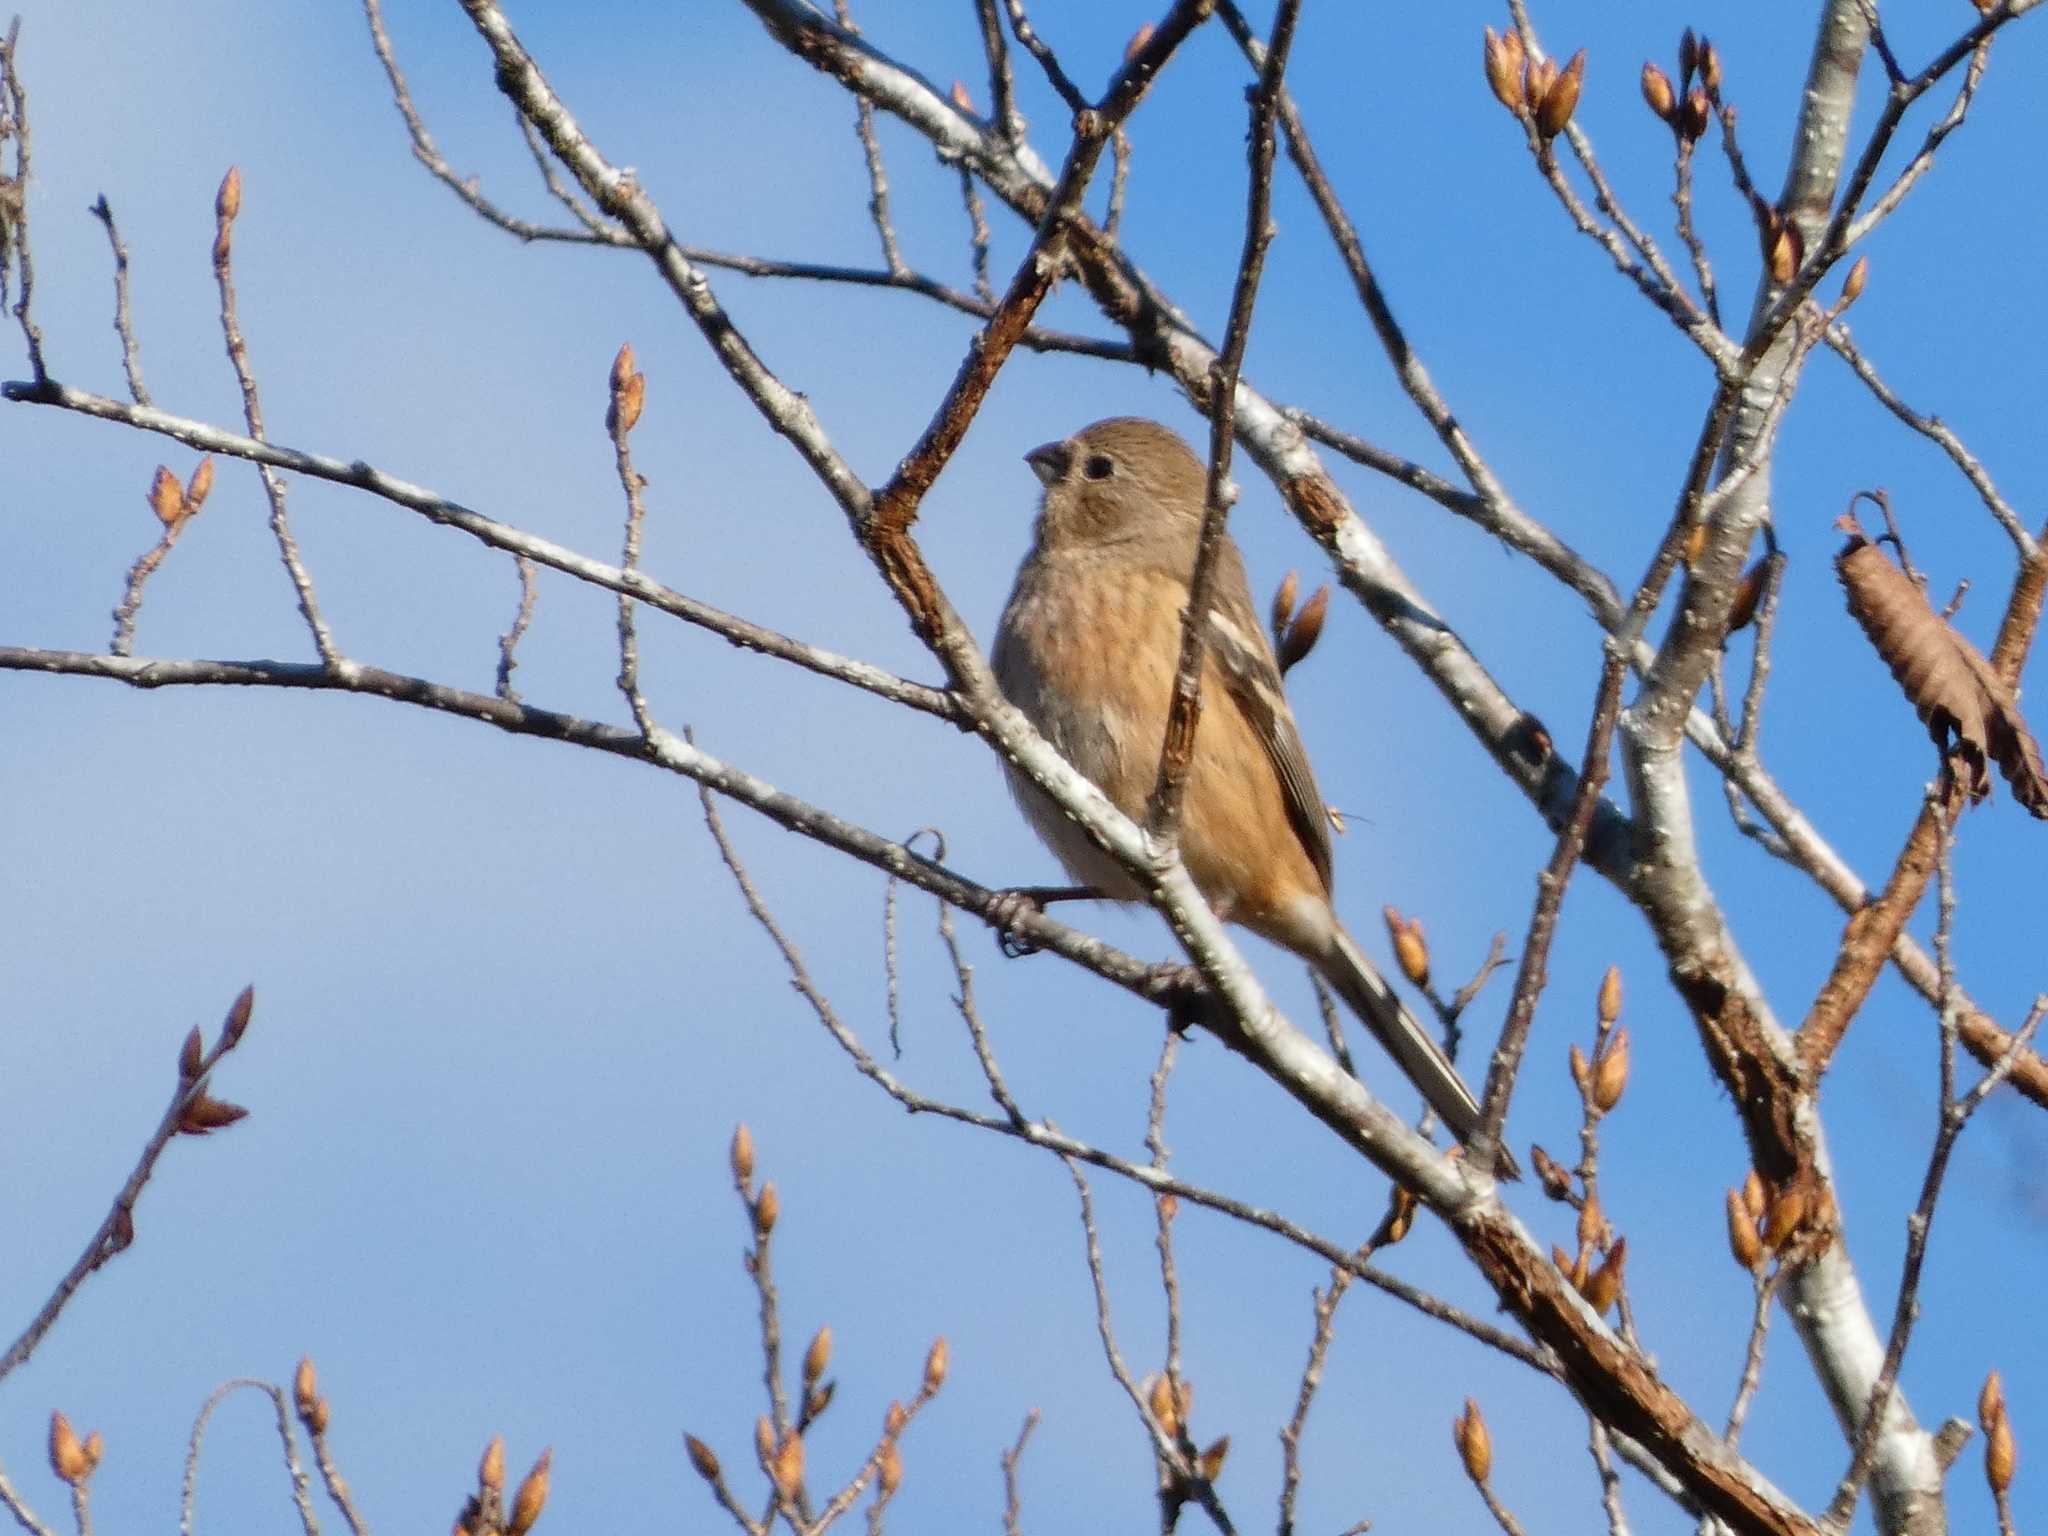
x=1099, y=466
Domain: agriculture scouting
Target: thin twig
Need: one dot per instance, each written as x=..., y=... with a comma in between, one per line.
x=302, y=1494
x=437, y=508
x=628, y=390
x=970, y=1015
x=1333, y=1024
x=1326, y=1302
x=977, y=235
x=1532, y=971
x=871, y=152
x=1184, y=713
x=1834, y=240
x=1175, y=1468
x=14, y=199
x=1013, y=1503
x=1002, y=86
x=561, y=191
x=1738, y=166
x=124, y=324
x=1953, y=1116
x=894, y=508
x=508, y=643
x=129, y=609
x=1753, y=1354
x=1488, y=503
x=1032, y=338
x=1040, y=1134
x=1703, y=269
x=1163, y=1208
x=1923, y=159
x=117, y=1228
x=465, y=187
x=1036, y=46
x=337, y=1485
x=1119, y=182
x=1938, y=432
x=25, y=1517
x=226, y=206
x=1597, y=1442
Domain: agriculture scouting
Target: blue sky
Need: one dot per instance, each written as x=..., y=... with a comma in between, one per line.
x=509, y=1006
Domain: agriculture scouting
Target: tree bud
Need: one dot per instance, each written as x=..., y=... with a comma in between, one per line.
x=531, y=1498
x=702, y=1458
x=490, y=1472
x=1504, y=68
x=1610, y=1077
x=818, y=1356
x=1743, y=1242
x=742, y=1154
x=67, y=1455
x=1561, y=98
x=1475, y=1446
x=1657, y=93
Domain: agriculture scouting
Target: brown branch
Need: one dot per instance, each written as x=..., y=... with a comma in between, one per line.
x=116, y=1230
x=1184, y=712
x=1953, y=1116
x=1532, y=972
x=895, y=506
x=1874, y=930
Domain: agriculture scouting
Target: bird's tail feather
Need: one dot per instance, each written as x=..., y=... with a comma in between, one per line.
x=1414, y=1050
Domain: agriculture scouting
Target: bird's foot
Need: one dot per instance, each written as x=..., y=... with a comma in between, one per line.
x=1014, y=905
x=1179, y=988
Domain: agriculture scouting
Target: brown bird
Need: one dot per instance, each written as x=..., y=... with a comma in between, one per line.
x=1087, y=649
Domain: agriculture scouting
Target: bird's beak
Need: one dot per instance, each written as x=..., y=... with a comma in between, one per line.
x=1049, y=461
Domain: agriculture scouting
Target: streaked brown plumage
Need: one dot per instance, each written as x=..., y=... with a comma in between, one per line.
x=1087, y=649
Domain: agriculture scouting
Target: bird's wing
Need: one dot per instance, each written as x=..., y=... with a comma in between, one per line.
x=1245, y=660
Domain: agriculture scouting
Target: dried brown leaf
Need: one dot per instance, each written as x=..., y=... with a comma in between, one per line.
x=1283, y=607
x=1305, y=631
x=206, y=1114
x=1969, y=710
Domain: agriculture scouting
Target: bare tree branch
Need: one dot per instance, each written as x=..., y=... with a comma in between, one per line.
x=116, y=1230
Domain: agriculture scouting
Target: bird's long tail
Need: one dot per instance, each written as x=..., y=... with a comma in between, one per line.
x=1360, y=984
